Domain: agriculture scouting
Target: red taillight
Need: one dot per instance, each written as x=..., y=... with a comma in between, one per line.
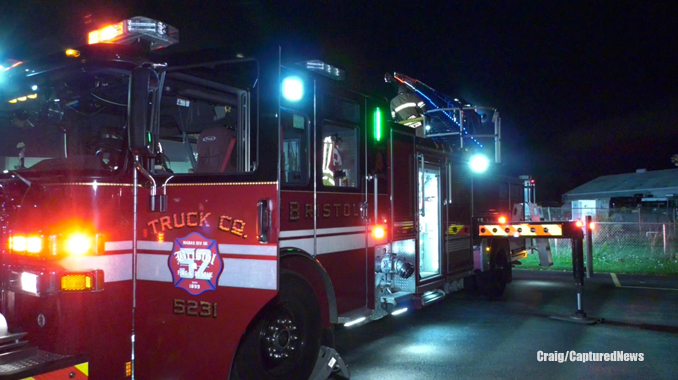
x=502, y=220
x=592, y=226
x=579, y=224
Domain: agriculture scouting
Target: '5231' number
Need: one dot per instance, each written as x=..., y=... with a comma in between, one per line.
x=194, y=308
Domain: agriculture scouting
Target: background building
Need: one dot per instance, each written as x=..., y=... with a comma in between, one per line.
x=647, y=196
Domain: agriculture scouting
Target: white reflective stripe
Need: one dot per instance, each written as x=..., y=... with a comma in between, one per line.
x=245, y=273
x=329, y=244
x=420, y=104
x=240, y=273
x=321, y=231
x=118, y=245
x=155, y=245
x=153, y=267
x=115, y=267
x=405, y=105
x=256, y=250
x=231, y=249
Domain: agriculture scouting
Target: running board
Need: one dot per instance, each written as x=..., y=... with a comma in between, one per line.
x=431, y=297
x=329, y=363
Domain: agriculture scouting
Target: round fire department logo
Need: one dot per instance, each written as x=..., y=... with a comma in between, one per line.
x=195, y=263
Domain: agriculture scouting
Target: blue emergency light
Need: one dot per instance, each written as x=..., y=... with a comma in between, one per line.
x=293, y=89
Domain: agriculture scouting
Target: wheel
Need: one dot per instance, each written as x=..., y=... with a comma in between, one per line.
x=284, y=341
x=492, y=282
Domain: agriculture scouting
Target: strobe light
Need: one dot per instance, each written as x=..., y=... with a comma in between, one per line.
x=394, y=264
x=479, y=163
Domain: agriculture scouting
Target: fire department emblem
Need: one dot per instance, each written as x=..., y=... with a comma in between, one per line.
x=195, y=263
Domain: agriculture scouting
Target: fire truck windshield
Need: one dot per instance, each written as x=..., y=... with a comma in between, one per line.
x=67, y=119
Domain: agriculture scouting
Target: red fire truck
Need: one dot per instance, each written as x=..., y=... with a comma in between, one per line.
x=214, y=215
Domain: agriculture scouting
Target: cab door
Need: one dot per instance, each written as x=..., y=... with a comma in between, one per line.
x=206, y=252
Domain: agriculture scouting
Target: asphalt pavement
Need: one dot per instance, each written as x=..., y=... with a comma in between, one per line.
x=464, y=337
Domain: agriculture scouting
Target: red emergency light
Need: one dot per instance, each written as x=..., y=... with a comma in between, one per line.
x=157, y=33
x=378, y=232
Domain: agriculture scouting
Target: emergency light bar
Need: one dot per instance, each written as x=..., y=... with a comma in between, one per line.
x=157, y=33
x=323, y=68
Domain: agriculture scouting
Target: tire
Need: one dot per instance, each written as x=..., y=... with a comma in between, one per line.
x=471, y=286
x=284, y=341
x=492, y=283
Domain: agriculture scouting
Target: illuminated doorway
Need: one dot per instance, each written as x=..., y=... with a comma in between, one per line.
x=429, y=221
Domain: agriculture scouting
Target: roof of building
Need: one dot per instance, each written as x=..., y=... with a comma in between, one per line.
x=658, y=183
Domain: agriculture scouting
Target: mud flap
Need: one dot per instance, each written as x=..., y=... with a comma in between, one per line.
x=329, y=365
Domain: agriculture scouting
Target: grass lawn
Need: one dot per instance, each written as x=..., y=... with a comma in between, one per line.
x=605, y=260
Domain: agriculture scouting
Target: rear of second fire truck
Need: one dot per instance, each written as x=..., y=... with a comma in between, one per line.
x=216, y=214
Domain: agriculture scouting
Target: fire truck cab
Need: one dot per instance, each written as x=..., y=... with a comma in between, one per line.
x=215, y=215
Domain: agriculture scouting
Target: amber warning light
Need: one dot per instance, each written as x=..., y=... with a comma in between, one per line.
x=156, y=33
x=68, y=244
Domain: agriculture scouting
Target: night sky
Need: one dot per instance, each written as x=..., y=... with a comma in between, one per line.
x=584, y=88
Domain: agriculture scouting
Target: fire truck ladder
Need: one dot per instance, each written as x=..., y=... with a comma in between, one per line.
x=448, y=117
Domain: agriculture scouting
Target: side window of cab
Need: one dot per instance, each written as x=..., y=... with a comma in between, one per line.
x=339, y=155
x=294, y=160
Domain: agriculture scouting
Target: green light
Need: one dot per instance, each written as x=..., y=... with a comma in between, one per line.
x=377, y=124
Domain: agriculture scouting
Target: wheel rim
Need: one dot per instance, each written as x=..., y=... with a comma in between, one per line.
x=282, y=340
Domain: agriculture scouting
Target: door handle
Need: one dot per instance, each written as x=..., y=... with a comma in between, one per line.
x=264, y=222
